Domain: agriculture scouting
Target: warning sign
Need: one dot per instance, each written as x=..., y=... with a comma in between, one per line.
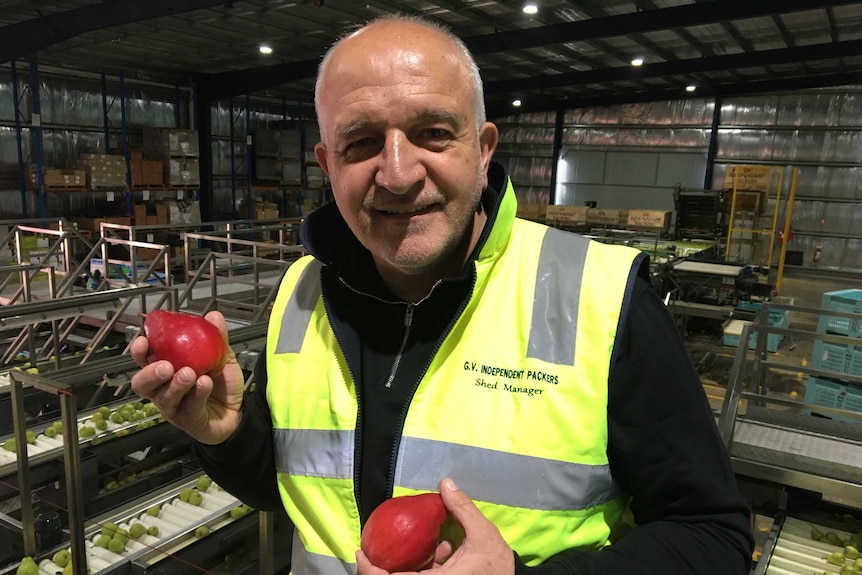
x=749, y=178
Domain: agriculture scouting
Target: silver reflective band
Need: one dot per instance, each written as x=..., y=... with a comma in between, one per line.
x=558, y=291
x=297, y=312
x=504, y=478
x=304, y=563
x=314, y=452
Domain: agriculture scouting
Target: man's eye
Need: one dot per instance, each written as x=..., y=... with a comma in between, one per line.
x=360, y=143
x=436, y=133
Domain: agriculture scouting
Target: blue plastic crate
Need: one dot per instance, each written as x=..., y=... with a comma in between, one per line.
x=830, y=356
x=733, y=332
x=847, y=301
x=829, y=393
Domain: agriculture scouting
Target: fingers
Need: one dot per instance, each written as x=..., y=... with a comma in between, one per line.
x=165, y=388
x=365, y=567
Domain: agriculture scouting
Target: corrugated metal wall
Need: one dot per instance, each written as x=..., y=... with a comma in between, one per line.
x=631, y=156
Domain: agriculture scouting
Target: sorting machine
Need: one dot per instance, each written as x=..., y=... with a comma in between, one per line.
x=797, y=463
x=113, y=472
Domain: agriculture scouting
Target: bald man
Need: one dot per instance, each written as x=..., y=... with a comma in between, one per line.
x=432, y=341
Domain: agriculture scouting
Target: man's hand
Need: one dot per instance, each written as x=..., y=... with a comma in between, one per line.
x=483, y=551
x=207, y=408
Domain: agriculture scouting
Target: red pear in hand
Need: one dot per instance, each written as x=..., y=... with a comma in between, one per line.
x=402, y=533
x=185, y=340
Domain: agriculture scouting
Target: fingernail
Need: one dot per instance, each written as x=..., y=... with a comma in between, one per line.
x=450, y=485
x=162, y=370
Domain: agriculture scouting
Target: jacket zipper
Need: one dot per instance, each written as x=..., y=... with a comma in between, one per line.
x=390, y=476
x=408, y=321
x=357, y=440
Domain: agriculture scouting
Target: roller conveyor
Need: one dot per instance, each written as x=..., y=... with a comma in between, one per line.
x=176, y=523
x=795, y=552
x=46, y=448
x=790, y=449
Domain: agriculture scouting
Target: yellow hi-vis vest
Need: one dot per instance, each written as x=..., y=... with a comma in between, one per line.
x=513, y=405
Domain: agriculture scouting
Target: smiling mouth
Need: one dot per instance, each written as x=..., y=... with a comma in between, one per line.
x=405, y=211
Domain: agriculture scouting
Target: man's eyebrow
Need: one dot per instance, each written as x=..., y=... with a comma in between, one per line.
x=432, y=115
x=426, y=116
x=346, y=131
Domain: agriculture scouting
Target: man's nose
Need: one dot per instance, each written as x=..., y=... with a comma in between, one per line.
x=400, y=165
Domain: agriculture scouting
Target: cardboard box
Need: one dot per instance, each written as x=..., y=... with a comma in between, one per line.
x=152, y=173
x=162, y=213
x=139, y=214
x=183, y=212
x=163, y=143
x=566, y=215
x=607, y=217
x=754, y=202
x=93, y=224
x=147, y=255
x=535, y=212
x=58, y=178
x=182, y=172
x=651, y=220
x=291, y=173
x=103, y=170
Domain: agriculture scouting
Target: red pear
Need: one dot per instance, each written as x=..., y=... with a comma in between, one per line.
x=402, y=533
x=185, y=340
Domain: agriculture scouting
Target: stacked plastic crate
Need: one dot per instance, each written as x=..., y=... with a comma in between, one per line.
x=839, y=358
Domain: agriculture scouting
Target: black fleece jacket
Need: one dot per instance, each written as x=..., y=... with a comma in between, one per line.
x=663, y=446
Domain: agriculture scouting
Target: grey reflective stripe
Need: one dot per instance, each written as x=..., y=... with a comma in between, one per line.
x=558, y=290
x=504, y=478
x=314, y=452
x=297, y=312
x=304, y=563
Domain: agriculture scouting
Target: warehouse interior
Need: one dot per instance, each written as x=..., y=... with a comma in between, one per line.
x=159, y=155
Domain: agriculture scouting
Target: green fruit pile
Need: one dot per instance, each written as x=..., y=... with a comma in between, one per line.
x=848, y=557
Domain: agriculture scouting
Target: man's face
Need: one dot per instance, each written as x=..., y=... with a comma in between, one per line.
x=401, y=147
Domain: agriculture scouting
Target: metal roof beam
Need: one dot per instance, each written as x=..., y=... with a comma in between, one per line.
x=225, y=84
x=806, y=53
x=635, y=22
x=718, y=91
x=25, y=38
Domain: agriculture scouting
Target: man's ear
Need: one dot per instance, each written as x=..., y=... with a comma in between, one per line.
x=320, y=155
x=488, y=136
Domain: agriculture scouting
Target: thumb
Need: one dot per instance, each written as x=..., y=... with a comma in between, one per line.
x=217, y=319
x=459, y=505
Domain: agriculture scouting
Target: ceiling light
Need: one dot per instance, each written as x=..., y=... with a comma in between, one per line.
x=265, y=49
x=690, y=88
x=530, y=8
x=637, y=61
x=516, y=103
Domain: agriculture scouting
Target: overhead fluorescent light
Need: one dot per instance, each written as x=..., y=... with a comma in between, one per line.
x=690, y=88
x=265, y=49
x=516, y=102
x=637, y=61
x=530, y=8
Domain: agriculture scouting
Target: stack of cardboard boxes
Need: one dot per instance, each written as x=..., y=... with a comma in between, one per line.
x=583, y=216
x=104, y=171
x=179, y=153
x=145, y=173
